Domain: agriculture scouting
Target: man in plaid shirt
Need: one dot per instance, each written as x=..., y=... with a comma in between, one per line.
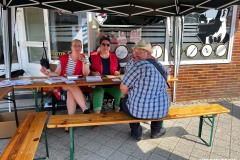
x=146, y=90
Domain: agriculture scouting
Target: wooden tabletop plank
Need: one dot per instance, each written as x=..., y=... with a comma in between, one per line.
x=4, y=91
x=83, y=83
x=24, y=142
x=60, y=121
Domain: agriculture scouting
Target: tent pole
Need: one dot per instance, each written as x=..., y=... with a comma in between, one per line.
x=6, y=42
x=177, y=44
x=6, y=54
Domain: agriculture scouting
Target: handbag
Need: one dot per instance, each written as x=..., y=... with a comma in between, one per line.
x=159, y=69
x=44, y=61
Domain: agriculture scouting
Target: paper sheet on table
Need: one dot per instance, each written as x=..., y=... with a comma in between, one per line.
x=93, y=79
x=70, y=82
x=5, y=83
x=116, y=80
x=74, y=77
x=39, y=80
x=20, y=82
x=57, y=79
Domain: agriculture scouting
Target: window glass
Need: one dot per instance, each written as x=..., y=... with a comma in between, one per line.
x=206, y=36
x=14, y=49
x=35, y=54
x=128, y=32
x=34, y=23
x=63, y=29
x=35, y=31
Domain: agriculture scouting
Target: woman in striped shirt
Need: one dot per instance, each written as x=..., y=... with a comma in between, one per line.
x=74, y=63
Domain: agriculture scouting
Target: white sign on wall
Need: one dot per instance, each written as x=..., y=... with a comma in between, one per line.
x=100, y=17
x=122, y=39
x=135, y=35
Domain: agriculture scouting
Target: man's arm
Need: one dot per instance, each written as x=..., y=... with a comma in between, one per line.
x=124, y=89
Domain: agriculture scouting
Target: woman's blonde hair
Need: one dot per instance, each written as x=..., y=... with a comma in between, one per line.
x=76, y=40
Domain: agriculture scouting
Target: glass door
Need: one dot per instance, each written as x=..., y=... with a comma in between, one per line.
x=32, y=34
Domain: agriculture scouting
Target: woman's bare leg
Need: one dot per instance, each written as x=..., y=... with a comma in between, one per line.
x=77, y=96
x=71, y=103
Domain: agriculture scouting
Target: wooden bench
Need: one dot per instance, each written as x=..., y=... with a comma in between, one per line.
x=204, y=112
x=24, y=143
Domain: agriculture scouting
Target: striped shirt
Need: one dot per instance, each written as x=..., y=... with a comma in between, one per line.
x=71, y=65
x=147, y=96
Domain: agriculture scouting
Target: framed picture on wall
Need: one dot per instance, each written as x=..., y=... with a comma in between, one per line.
x=191, y=51
x=121, y=51
x=206, y=50
x=157, y=51
x=221, y=50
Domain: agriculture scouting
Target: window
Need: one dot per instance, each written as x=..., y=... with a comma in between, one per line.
x=63, y=29
x=35, y=32
x=128, y=31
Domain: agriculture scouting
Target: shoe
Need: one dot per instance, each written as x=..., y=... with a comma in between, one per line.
x=66, y=129
x=96, y=128
x=86, y=111
x=159, y=134
x=137, y=137
x=117, y=109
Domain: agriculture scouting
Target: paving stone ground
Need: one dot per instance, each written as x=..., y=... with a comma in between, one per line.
x=113, y=142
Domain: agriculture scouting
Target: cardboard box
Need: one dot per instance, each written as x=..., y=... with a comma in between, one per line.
x=8, y=124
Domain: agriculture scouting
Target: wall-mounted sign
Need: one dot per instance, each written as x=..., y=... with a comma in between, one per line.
x=55, y=55
x=121, y=51
x=135, y=35
x=191, y=51
x=212, y=27
x=157, y=51
x=100, y=17
x=206, y=50
x=122, y=39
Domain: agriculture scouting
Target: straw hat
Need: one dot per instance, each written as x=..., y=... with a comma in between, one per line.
x=144, y=45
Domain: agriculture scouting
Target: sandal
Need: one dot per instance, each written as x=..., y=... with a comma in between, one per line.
x=66, y=129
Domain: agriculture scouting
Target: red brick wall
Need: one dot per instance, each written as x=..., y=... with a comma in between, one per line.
x=209, y=81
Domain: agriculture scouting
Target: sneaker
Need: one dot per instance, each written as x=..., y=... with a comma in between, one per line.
x=86, y=111
x=159, y=134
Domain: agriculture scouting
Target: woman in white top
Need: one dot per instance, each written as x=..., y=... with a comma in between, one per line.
x=74, y=63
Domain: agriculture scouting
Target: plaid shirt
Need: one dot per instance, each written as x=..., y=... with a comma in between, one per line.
x=147, y=96
x=129, y=65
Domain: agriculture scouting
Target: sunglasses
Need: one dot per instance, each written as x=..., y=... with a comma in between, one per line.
x=105, y=44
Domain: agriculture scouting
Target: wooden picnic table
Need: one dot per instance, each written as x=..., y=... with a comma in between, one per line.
x=81, y=83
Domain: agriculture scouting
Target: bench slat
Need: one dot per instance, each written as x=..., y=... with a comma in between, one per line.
x=24, y=143
x=60, y=121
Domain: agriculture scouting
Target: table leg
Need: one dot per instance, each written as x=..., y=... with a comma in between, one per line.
x=71, y=143
x=12, y=99
x=42, y=99
x=36, y=99
x=15, y=108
